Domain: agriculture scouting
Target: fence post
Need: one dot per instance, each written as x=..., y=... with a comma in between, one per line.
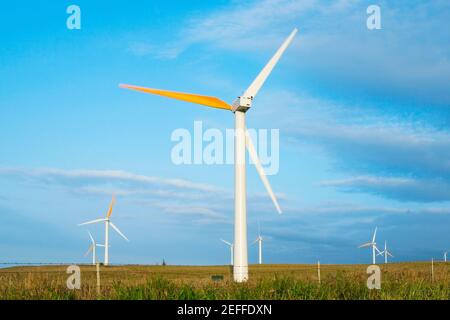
x=432, y=269
x=97, y=265
x=318, y=271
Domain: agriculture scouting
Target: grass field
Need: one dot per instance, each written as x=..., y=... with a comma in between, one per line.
x=399, y=281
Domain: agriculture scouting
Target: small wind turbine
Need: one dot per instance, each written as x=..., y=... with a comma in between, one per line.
x=108, y=223
x=372, y=244
x=445, y=256
x=231, y=249
x=93, y=248
x=259, y=239
x=386, y=253
x=242, y=140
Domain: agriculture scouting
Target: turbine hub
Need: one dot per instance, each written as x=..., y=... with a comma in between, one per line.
x=242, y=104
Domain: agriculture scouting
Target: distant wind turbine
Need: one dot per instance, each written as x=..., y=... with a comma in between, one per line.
x=259, y=239
x=386, y=253
x=372, y=244
x=93, y=248
x=445, y=256
x=231, y=249
x=108, y=223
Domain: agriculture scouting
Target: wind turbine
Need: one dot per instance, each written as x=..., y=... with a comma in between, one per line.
x=372, y=244
x=93, y=248
x=242, y=140
x=231, y=249
x=259, y=239
x=108, y=223
x=386, y=253
x=445, y=256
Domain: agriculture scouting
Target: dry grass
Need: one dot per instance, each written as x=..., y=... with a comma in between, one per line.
x=399, y=281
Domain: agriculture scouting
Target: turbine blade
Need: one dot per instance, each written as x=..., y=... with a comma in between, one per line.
x=89, y=250
x=255, y=241
x=259, y=168
x=91, y=222
x=111, y=205
x=92, y=239
x=100, y=245
x=188, y=97
x=259, y=230
x=389, y=254
x=226, y=242
x=265, y=72
x=374, y=235
x=376, y=248
x=368, y=244
x=118, y=231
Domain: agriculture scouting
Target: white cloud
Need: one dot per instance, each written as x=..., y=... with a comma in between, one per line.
x=165, y=195
x=396, y=148
x=410, y=56
x=202, y=203
x=86, y=177
x=404, y=189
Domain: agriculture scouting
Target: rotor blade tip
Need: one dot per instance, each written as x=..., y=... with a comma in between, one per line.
x=125, y=86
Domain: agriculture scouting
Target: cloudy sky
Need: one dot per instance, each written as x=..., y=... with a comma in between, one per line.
x=363, y=118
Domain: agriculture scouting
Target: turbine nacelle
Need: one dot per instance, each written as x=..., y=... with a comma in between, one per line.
x=242, y=104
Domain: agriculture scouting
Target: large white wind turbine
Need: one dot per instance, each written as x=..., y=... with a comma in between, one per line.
x=231, y=249
x=242, y=140
x=93, y=248
x=372, y=244
x=108, y=223
x=259, y=239
x=386, y=253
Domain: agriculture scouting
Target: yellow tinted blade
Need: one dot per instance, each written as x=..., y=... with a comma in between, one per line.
x=113, y=202
x=193, y=98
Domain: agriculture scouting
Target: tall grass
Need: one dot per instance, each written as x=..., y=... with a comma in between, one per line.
x=405, y=281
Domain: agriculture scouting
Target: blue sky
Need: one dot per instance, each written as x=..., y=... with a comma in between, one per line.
x=363, y=118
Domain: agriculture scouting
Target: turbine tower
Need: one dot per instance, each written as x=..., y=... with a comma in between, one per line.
x=231, y=249
x=242, y=140
x=445, y=256
x=93, y=248
x=386, y=253
x=108, y=223
x=372, y=244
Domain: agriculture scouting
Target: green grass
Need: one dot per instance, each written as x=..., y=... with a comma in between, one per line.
x=343, y=282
